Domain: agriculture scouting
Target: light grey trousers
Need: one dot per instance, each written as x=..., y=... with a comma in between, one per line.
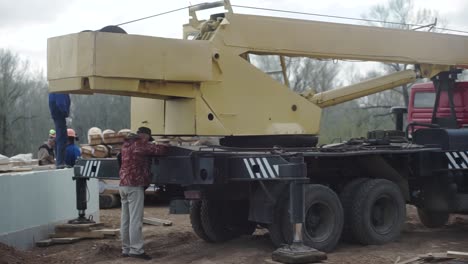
x=131, y=221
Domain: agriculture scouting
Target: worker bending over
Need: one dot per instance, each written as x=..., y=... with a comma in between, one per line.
x=45, y=155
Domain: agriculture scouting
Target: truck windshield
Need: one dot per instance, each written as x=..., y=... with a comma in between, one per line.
x=424, y=99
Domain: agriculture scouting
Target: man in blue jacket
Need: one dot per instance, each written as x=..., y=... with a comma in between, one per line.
x=72, y=151
x=59, y=106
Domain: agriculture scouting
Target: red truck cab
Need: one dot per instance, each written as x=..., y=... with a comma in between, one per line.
x=422, y=99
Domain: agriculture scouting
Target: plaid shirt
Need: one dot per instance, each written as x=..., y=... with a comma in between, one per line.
x=136, y=163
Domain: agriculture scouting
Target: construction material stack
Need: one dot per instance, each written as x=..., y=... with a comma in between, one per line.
x=103, y=144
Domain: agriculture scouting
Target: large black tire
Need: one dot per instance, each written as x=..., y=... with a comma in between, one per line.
x=346, y=197
x=378, y=212
x=236, y=214
x=195, y=220
x=432, y=219
x=323, y=219
x=214, y=217
x=113, y=29
x=107, y=201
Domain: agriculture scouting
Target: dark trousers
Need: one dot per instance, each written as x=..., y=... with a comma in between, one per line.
x=60, y=140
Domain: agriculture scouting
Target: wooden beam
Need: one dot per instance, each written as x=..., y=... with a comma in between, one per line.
x=156, y=221
x=457, y=254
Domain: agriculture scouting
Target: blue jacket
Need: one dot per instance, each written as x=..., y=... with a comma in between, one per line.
x=72, y=152
x=59, y=105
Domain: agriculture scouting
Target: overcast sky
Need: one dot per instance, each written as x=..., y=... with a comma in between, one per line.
x=25, y=25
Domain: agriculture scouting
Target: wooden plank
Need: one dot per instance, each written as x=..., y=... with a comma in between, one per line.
x=44, y=243
x=77, y=227
x=81, y=234
x=43, y=167
x=408, y=261
x=430, y=257
x=108, y=232
x=21, y=169
x=156, y=221
x=457, y=254
x=6, y=167
x=55, y=241
x=27, y=163
x=65, y=240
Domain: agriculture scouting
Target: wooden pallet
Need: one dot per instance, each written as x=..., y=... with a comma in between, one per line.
x=71, y=233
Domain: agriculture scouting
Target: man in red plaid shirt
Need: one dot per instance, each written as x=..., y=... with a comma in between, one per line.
x=135, y=177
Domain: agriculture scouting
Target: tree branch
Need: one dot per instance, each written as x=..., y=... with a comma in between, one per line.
x=377, y=106
x=382, y=115
x=22, y=118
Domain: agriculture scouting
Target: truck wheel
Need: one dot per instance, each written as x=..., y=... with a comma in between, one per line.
x=195, y=220
x=239, y=218
x=346, y=197
x=323, y=219
x=432, y=219
x=248, y=228
x=107, y=201
x=378, y=212
x=214, y=221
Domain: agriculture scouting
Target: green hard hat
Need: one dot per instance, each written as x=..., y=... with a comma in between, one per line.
x=52, y=132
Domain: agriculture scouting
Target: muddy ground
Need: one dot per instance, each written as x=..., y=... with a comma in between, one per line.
x=177, y=244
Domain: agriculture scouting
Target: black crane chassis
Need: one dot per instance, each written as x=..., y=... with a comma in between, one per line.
x=233, y=174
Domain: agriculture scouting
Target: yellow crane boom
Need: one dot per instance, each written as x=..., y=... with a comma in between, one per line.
x=205, y=86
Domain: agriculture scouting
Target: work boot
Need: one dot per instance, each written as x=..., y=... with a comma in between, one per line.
x=141, y=256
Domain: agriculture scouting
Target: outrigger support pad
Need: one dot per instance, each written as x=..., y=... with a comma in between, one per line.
x=298, y=253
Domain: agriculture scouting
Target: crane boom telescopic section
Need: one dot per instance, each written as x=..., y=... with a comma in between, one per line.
x=205, y=86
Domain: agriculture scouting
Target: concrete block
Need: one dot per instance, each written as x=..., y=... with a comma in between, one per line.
x=32, y=203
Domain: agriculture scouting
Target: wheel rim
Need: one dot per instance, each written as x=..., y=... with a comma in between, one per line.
x=383, y=214
x=319, y=222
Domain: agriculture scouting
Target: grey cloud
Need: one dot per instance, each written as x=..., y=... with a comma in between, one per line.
x=20, y=12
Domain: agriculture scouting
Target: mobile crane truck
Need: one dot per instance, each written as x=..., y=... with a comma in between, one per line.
x=267, y=170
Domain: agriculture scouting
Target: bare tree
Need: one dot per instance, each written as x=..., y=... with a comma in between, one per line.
x=13, y=77
x=100, y=110
x=404, y=15
x=307, y=73
x=303, y=74
x=24, y=113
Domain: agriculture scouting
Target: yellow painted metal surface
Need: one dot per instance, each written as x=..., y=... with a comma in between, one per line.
x=70, y=56
x=147, y=112
x=249, y=102
x=295, y=37
x=341, y=95
x=180, y=117
x=207, y=86
x=128, y=56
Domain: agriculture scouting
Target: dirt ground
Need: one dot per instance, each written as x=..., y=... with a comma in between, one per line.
x=177, y=244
